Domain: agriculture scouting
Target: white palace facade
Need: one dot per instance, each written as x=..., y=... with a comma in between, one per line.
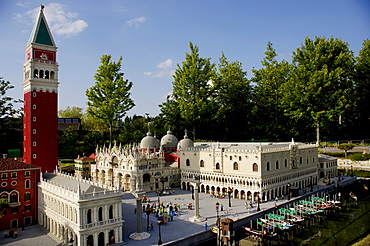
x=250, y=170
x=79, y=212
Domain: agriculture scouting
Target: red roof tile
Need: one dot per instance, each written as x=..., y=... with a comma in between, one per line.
x=14, y=164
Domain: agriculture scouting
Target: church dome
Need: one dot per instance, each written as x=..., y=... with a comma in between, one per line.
x=149, y=142
x=185, y=143
x=169, y=140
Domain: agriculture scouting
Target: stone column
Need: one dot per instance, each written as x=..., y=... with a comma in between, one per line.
x=196, y=217
x=139, y=234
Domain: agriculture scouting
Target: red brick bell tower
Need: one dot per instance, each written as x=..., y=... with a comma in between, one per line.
x=40, y=89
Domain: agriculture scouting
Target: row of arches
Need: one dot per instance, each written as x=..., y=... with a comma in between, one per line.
x=66, y=210
x=43, y=74
x=251, y=195
x=68, y=236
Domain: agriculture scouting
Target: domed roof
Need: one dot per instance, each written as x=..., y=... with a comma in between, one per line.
x=185, y=143
x=149, y=142
x=169, y=140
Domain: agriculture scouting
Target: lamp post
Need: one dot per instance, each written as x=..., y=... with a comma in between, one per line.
x=218, y=224
x=288, y=191
x=311, y=185
x=229, y=191
x=23, y=211
x=258, y=202
x=159, y=232
x=148, y=211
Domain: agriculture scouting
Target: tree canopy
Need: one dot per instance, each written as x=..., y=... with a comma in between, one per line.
x=109, y=98
x=319, y=88
x=192, y=89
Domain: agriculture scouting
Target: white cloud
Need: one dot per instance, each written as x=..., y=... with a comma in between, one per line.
x=165, y=70
x=166, y=64
x=60, y=21
x=22, y=4
x=136, y=21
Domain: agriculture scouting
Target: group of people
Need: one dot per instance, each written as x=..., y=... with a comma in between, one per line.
x=164, y=212
x=12, y=233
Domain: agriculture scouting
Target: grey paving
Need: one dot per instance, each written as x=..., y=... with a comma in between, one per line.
x=178, y=228
x=31, y=236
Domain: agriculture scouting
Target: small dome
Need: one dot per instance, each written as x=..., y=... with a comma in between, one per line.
x=169, y=140
x=149, y=142
x=185, y=143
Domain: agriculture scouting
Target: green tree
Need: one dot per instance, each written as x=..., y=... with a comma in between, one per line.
x=68, y=143
x=345, y=147
x=109, y=99
x=192, y=89
x=268, y=112
x=6, y=102
x=319, y=89
x=232, y=99
x=4, y=204
x=362, y=88
x=71, y=112
x=10, y=119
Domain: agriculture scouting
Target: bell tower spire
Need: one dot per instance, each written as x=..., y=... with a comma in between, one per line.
x=40, y=90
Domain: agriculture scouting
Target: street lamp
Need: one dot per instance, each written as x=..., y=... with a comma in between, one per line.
x=218, y=224
x=311, y=185
x=258, y=202
x=288, y=191
x=229, y=191
x=23, y=211
x=159, y=232
x=148, y=211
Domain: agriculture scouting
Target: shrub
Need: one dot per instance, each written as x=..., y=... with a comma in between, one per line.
x=359, y=156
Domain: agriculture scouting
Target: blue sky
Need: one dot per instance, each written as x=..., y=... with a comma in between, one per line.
x=153, y=36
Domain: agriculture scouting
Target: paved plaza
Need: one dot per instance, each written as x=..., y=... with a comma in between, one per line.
x=178, y=228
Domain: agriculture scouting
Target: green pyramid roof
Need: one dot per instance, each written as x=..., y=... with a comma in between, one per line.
x=41, y=33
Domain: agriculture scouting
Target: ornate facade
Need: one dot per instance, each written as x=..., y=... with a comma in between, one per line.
x=80, y=211
x=250, y=170
x=148, y=167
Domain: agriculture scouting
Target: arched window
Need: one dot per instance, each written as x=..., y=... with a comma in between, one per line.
x=100, y=214
x=187, y=162
x=231, y=157
x=277, y=164
x=286, y=163
x=268, y=166
x=41, y=74
x=218, y=166
x=236, y=166
x=46, y=74
x=89, y=216
x=300, y=160
x=52, y=74
x=201, y=163
x=28, y=184
x=111, y=212
x=14, y=197
x=255, y=167
x=27, y=196
x=36, y=73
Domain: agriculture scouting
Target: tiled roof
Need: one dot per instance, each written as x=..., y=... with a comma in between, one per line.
x=14, y=164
